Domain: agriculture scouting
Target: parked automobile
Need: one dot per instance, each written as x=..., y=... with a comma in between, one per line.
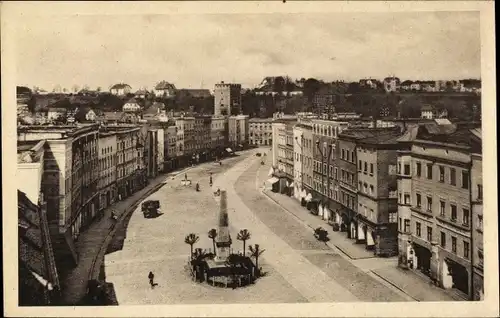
x=258, y=154
x=150, y=208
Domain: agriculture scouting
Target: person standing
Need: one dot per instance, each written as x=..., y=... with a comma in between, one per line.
x=151, y=277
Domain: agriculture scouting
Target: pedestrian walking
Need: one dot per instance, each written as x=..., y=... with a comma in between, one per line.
x=151, y=277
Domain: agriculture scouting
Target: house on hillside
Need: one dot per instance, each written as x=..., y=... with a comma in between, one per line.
x=406, y=85
x=112, y=117
x=428, y=112
x=120, y=89
x=152, y=112
x=142, y=93
x=369, y=83
x=54, y=113
x=391, y=84
x=131, y=106
x=165, y=89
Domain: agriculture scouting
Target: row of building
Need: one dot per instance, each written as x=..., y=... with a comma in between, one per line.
x=68, y=175
x=412, y=188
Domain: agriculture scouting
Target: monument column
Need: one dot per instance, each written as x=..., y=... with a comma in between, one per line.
x=223, y=239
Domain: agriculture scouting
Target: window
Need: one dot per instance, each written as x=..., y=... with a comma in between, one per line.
x=429, y=204
x=453, y=212
x=400, y=224
x=342, y=155
x=407, y=169
x=392, y=217
x=453, y=176
x=443, y=239
x=419, y=229
x=419, y=200
x=335, y=173
x=365, y=189
x=419, y=169
x=429, y=171
x=371, y=189
x=453, y=244
x=371, y=168
x=360, y=166
x=465, y=217
x=465, y=179
x=480, y=192
x=480, y=257
x=348, y=155
x=429, y=234
x=466, y=249
x=407, y=198
x=407, y=225
x=442, y=206
x=441, y=174
x=366, y=167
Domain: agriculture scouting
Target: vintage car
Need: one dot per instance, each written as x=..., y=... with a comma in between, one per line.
x=258, y=154
x=151, y=208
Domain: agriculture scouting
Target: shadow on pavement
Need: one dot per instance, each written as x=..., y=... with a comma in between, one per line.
x=120, y=236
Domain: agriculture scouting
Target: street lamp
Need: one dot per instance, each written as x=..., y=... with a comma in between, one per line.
x=327, y=168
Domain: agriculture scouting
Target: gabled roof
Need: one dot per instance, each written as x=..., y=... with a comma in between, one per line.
x=141, y=92
x=120, y=86
x=113, y=116
x=132, y=101
x=151, y=110
x=427, y=107
x=164, y=85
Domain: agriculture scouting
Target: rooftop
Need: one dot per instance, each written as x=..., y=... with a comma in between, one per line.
x=120, y=86
x=164, y=85
x=260, y=120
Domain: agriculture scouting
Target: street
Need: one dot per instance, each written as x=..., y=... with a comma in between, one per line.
x=299, y=268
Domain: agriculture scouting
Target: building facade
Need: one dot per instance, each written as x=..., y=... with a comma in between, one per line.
x=107, y=168
x=325, y=184
x=69, y=182
x=128, y=160
x=160, y=146
x=218, y=135
x=260, y=131
x=437, y=238
x=238, y=130
x=171, y=161
x=227, y=99
x=202, y=136
x=377, y=192
x=477, y=224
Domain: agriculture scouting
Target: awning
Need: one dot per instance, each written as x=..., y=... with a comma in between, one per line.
x=271, y=171
x=229, y=150
x=303, y=194
x=273, y=180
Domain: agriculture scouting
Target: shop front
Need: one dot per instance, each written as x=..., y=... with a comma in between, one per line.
x=420, y=258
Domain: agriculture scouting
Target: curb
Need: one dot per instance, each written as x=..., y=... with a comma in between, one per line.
x=329, y=244
x=392, y=284
x=102, y=249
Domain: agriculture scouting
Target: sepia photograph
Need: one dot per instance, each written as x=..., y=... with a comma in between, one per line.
x=240, y=158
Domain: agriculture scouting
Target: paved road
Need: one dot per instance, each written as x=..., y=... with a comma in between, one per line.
x=300, y=269
x=158, y=245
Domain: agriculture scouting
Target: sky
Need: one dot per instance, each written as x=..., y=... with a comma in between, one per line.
x=197, y=51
